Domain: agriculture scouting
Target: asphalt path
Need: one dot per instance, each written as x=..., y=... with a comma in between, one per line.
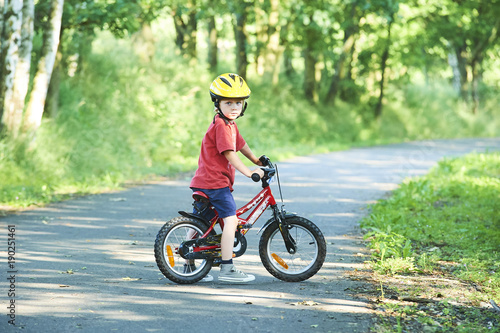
x=87, y=265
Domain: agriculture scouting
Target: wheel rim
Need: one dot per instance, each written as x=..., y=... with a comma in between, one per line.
x=173, y=260
x=299, y=262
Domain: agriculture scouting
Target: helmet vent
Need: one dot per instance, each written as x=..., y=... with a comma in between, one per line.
x=223, y=79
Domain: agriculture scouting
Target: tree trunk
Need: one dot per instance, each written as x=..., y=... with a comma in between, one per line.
x=241, y=42
x=52, y=101
x=180, y=29
x=22, y=75
x=347, y=91
x=261, y=35
x=274, y=50
x=339, y=69
x=383, y=65
x=212, y=44
x=310, y=61
x=310, y=75
x=2, y=7
x=475, y=87
x=192, y=30
x=287, y=51
x=186, y=29
x=34, y=112
x=9, y=56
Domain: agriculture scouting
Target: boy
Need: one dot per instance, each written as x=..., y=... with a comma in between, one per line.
x=218, y=161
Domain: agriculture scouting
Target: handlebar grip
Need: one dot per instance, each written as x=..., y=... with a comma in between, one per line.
x=255, y=177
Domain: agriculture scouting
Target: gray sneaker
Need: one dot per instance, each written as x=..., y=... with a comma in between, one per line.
x=190, y=267
x=228, y=273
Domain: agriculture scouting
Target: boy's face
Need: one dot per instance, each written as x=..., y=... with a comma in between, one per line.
x=231, y=108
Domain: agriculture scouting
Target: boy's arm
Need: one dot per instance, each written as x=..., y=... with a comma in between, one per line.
x=235, y=161
x=248, y=154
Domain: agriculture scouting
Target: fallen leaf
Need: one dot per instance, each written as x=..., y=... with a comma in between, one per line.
x=131, y=279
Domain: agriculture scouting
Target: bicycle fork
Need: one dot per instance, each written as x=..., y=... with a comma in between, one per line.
x=279, y=217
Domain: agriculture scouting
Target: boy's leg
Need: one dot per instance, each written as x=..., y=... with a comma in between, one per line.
x=228, y=273
x=227, y=240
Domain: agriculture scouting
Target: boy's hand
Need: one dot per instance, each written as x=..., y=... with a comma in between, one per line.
x=258, y=171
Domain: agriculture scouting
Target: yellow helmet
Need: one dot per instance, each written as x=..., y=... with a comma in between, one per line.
x=229, y=85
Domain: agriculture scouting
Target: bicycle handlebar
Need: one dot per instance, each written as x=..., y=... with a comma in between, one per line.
x=255, y=177
x=269, y=170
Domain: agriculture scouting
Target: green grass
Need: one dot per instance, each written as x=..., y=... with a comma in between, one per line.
x=448, y=219
x=121, y=120
x=438, y=238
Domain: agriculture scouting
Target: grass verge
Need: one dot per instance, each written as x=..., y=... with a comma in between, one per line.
x=436, y=250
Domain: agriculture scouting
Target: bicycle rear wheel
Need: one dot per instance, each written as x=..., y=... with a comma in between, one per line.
x=305, y=262
x=169, y=261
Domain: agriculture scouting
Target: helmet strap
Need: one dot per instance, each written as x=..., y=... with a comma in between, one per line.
x=219, y=112
x=244, y=108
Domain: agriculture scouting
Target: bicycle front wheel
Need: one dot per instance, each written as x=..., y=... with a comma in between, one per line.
x=169, y=261
x=305, y=262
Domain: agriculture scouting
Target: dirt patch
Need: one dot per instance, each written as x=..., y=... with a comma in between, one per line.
x=425, y=303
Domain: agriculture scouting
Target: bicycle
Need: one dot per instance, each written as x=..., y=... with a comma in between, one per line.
x=291, y=248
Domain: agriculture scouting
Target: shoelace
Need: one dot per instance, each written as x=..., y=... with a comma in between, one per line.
x=235, y=270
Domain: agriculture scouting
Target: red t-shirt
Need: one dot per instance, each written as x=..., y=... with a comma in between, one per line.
x=214, y=170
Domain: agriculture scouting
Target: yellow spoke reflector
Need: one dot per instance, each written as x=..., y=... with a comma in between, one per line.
x=170, y=255
x=279, y=260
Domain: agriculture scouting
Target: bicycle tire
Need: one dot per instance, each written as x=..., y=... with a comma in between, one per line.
x=305, y=262
x=171, y=264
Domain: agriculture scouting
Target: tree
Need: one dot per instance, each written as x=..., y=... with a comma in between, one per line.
x=268, y=36
x=343, y=67
x=213, y=38
x=467, y=30
x=22, y=75
x=34, y=111
x=240, y=17
x=9, y=56
x=186, y=25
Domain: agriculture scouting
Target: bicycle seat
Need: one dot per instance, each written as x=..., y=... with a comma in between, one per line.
x=200, y=196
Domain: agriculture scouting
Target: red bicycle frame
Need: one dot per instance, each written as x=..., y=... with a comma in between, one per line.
x=259, y=204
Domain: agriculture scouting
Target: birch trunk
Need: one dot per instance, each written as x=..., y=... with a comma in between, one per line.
x=9, y=54
x=22, y=75
x=34, y=111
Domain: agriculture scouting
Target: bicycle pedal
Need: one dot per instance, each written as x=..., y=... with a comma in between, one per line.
x=245, y=226
x=217, y=262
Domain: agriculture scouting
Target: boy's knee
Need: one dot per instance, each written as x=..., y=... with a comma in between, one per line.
x=230, y=219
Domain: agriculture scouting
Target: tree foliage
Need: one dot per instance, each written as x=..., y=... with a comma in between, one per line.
x=333, y=49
